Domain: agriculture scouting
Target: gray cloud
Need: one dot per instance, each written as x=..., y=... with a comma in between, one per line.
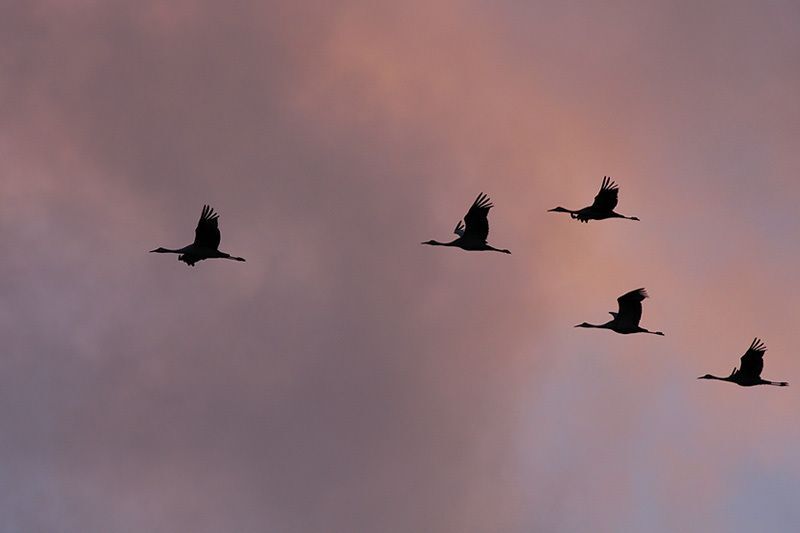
x=346, y=378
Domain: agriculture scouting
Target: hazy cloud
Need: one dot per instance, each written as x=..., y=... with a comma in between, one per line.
x=346, y=378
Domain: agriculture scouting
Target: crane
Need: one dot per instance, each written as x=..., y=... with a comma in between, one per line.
x=626, y=320
x=472, y=233
x=206, y=241
x=602, y=207
x=749, y=372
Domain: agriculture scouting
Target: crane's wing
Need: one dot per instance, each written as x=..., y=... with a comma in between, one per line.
x=476, y=219
x=607, y=198
x=753, y=359
x=630, y=306
x=207, y=232
x=459, y=229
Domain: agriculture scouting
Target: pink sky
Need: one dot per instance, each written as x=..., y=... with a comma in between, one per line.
x=346, y=378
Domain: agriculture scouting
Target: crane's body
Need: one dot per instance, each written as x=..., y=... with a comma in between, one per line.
x=619, y=327
x=468, y=245
x=749, y=372
x=473, y=232
x=192, y=254
x=206, y=241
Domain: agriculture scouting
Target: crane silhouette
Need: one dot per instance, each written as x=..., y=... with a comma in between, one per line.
x=626, y=320
x=602, y=207
x=473, y=232
x=206, y=241
x=749, y=372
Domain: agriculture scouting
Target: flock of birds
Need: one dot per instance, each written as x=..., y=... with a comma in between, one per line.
x=472, y=233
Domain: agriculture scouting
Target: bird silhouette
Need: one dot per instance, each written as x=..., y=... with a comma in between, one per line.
x=749, y=372
x=473, y=232
x=602, y=207
x=206, y=241
x=626, y=320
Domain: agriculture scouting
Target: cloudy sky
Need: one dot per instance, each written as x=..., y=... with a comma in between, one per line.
x=345, y=378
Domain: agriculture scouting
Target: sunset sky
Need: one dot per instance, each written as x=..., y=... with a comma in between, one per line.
x=345, y=378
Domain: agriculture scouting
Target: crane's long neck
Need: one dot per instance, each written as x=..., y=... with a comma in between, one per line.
x=562, y=210
x=166, y=251
x=710, y=376
x=587, y=325
x=437, y=243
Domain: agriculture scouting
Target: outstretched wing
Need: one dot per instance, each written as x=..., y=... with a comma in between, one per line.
x=630, y=306
x=753, y=359
x=607, y=198
x=207, y=232
x=476, y=219
x=459, y=229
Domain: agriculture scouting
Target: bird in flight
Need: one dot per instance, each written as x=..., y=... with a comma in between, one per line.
x=749, y=372
x=206, y=241
x=473, y=232
x=602, y=207
x=626, y=320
